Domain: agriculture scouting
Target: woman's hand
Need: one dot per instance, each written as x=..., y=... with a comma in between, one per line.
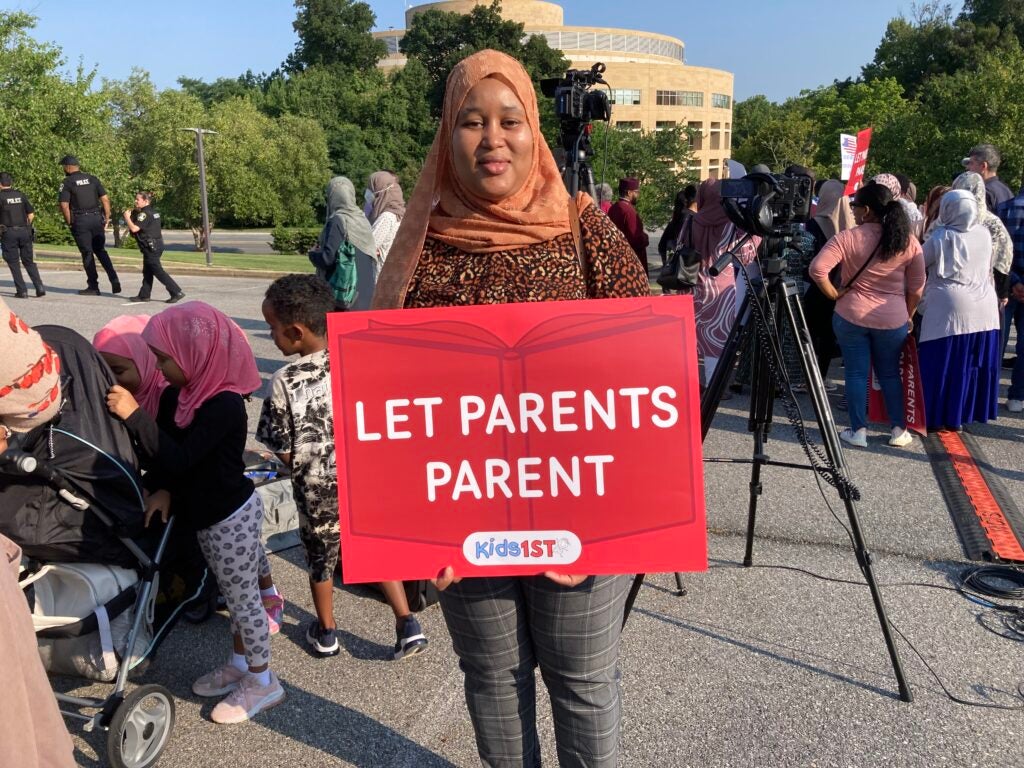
x=445, y=579
x=120, y=402
x=910, y=326
x=158, y=501
x=566, y=580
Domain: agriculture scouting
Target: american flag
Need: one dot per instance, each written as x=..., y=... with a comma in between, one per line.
x=849, y=143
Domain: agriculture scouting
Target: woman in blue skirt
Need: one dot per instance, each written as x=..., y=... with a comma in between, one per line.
x=959, y=348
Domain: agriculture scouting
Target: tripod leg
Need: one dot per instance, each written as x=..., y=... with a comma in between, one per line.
x=762, y=403
x=794, y=317
x=680, y=589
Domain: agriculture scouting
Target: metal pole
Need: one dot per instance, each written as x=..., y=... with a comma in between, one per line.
x=202, y=196
x=201, y=159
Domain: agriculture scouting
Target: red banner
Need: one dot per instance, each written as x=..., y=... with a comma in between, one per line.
x=913, y=395
x=860, y=160
x=516, y=439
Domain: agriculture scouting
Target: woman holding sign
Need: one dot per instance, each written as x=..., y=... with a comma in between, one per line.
x=490, y=222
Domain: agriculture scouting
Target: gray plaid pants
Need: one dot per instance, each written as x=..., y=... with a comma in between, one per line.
x=503, y=628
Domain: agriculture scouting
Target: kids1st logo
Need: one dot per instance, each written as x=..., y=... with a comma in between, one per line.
x=485, y=548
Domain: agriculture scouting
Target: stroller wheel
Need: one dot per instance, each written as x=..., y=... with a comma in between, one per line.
x=141, y=727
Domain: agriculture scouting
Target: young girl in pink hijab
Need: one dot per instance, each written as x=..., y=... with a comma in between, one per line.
x=193, y=455
x=133, y=363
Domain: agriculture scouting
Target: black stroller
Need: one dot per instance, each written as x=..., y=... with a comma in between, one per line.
x=70, y=496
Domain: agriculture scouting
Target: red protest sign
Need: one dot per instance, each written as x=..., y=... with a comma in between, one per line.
x=516, y=439
x=860, y=161
x=913, y=395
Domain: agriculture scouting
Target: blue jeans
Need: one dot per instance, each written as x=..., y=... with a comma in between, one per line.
x=1013, y=315
x=865, y=347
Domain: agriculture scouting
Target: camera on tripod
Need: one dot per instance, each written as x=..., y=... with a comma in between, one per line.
x=574, y=99
x=577, y=106
x=768, y=204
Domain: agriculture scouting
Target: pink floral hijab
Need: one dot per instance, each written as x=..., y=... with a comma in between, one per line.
x=211, y=350
x=123, y=336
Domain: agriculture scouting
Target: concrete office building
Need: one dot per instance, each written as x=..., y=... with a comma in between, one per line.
x=652, y=85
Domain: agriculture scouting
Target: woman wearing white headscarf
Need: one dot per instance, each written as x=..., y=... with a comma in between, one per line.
x=959, y=349
x=1002, y=246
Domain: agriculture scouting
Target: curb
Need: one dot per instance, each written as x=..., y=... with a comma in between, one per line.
x=58, y=259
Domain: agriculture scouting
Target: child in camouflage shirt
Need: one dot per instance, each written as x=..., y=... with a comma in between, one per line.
x=297, y=424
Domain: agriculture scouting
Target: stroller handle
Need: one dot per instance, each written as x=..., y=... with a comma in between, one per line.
x=13, y=461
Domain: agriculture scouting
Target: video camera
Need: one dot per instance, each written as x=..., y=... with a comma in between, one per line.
x=574, y=101
x=767, y=204
x=576, y=107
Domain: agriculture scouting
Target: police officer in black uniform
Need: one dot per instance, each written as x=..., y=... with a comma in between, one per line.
x=144, y=223
x=16, y=215
x=86, y=209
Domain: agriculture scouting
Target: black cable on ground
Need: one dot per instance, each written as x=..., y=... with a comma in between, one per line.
x=989, y=577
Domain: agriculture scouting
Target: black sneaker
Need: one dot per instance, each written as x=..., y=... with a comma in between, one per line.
x=175, y=298
x=40, y=292
x=137, y=299
x=323, y=641
x=115, y=288
x=411, y=639
x=89, y=292
x=21, y=295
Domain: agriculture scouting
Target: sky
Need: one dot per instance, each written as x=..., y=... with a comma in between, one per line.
x=774, y=47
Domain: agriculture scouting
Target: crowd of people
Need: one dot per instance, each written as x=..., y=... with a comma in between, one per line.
x=490, y=222
x=875, y=268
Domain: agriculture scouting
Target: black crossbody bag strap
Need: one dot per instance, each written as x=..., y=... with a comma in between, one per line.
x=862, y=268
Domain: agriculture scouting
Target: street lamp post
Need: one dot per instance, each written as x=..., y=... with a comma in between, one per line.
x=202, y=189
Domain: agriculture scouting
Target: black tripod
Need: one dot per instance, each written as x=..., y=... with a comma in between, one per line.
x=768, y=307
x=577, y=174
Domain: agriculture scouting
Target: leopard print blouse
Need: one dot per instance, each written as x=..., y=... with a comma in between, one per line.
x=550, y=271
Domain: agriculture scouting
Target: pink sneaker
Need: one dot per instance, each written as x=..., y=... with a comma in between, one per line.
x=274, y=606
x=222, y=680
x=248, y=700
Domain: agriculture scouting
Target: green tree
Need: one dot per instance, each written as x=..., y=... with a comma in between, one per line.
x=659, y=159
x=334, y=33
x=263, y=171
x=776, y=135
x=955, y=112
x=439, y=40
x=46, y=114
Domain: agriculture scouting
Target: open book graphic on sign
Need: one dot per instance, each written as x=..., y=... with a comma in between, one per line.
x=598, y=370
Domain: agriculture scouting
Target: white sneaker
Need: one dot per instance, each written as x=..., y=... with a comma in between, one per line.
x=858, y=438
x=1015, y=406
x=900, y=438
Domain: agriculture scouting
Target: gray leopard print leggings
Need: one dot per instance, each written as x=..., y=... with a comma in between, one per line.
x=234, y=552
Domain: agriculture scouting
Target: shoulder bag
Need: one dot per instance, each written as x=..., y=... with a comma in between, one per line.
x=681, y=269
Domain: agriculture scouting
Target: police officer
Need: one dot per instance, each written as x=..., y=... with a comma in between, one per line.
x=144, y=223
x=16, y=215
x=86, y=209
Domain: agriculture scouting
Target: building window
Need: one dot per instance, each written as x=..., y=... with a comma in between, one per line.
x=628, y=125
x=625, y=96
x=716, y=135
x=696, y=135
x=720, y=100
x=664, y=125
x=680, y=99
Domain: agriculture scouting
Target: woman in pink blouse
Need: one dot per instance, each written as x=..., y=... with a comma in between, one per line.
x=882, y=279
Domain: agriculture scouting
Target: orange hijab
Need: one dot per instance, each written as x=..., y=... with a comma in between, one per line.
x=445, y=210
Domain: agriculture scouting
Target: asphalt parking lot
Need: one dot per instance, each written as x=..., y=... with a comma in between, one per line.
x=762, y=666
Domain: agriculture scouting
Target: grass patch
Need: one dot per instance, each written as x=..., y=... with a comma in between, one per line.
x=274, y=262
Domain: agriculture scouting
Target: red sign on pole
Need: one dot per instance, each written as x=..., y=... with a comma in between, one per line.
x=520, y=438
x=860, y=160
